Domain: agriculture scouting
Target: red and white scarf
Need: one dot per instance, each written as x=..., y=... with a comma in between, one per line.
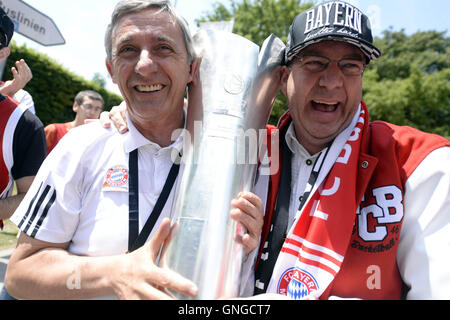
x=314, y=249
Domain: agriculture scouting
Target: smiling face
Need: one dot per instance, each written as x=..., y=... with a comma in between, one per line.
x=322, y=104
x=150, y=65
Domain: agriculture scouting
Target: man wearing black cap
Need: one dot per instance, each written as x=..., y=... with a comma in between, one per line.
x=22, y=139
x=359, y=209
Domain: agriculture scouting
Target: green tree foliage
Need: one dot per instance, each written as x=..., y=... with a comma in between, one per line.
x=257, y=19
x=99, y=79
x=408, y=85
x=53, y=87
x=219, y=13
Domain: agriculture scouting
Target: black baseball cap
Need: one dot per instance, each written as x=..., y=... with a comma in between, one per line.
x=335, y=21
x=6, y=27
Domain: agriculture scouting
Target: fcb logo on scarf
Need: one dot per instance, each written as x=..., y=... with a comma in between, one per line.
x=297, y=284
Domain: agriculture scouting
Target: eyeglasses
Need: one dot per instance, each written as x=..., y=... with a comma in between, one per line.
x=314, y=64
x=91, y=108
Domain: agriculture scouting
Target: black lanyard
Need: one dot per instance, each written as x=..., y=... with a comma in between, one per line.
x=280, y=219
x=136, y=239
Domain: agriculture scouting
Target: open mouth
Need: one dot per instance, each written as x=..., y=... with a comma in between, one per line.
x=325, y=106
x=149, y=89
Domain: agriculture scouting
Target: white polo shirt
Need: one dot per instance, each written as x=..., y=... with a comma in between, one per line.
x=25, y=98
x=80, y=194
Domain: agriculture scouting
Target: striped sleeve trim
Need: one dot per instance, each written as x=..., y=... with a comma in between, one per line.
x=38, y=208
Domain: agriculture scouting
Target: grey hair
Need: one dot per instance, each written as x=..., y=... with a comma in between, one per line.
x=128, y=6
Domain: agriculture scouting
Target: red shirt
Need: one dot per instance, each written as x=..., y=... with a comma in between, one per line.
x=54, y=132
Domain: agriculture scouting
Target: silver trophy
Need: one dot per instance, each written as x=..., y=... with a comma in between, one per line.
x=225, y=128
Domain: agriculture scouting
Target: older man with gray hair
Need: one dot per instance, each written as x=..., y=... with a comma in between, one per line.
x=92, y=204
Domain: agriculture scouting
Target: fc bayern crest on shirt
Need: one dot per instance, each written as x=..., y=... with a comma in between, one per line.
x=297, y=283
x=116, y=177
